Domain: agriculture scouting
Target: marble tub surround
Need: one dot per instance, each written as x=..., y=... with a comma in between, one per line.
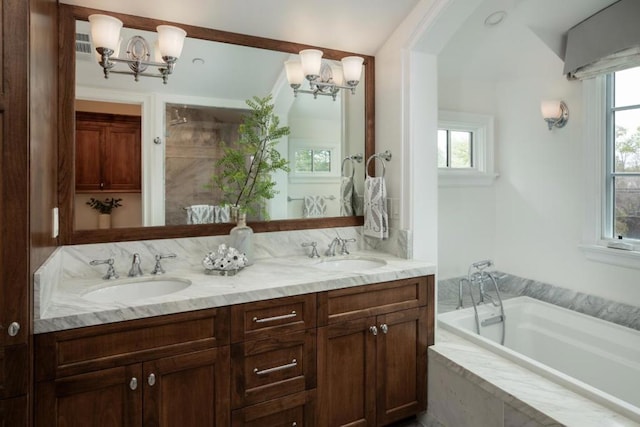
x=282, y=268
x=465, y=377
x=511, y=286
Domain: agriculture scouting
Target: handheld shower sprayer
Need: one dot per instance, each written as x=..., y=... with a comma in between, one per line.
x=480, y=265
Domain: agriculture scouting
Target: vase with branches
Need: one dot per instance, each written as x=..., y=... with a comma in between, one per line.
x=245, y=171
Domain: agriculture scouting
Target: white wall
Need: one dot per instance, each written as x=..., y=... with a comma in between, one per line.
x=531, y=220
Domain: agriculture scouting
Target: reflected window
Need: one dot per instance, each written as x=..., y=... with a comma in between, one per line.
x=312, y=161
x=623, y=154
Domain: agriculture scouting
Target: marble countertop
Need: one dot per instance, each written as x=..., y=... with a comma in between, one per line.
x=267, y=278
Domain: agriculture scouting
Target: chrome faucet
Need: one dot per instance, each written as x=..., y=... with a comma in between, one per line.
x=157, y=269
x=331, y=251
x=314, y=250
x=111, y=271
x=135, y=267
x=343, y=242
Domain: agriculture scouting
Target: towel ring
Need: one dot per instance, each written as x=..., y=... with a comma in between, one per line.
x=383, y=157
x=357, y=158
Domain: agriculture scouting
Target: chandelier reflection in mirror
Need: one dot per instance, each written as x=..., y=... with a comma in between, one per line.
x=105, y=32
x=324, y=78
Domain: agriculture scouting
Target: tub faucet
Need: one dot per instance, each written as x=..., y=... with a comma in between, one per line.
x=135, y=270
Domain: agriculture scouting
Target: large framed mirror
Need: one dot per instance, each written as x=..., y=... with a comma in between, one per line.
x=324, y=132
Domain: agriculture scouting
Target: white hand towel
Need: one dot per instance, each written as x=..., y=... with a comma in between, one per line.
x=200, y=214
x=346, y=196
x=376, y=219
x=314, y=207
x=222, y=214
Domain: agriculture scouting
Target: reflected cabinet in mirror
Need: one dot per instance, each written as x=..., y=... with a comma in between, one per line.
x=147, y=152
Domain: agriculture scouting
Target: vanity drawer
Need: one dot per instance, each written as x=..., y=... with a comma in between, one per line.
x=273, y=367
x=296, y=410
x=261, y=319
x=97, y=347
x=371, y=300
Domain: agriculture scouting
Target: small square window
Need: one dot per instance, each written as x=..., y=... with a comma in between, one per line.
x=312, y=161
x=455, y=149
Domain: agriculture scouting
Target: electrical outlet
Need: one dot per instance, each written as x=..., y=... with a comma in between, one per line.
x=55, y=225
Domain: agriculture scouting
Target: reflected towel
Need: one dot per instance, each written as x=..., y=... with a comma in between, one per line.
x=376, y=219
x=314, y=207
x=200, y=214
x=222, y=214
x=347, y=192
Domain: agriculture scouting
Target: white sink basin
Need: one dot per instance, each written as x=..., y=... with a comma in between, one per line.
x=353, y=263
x=137, y=289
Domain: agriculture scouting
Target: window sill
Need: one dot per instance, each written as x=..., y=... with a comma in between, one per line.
x=619, y=257
x=465, y=179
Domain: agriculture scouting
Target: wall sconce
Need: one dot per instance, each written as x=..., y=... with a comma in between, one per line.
x=323, y=79
x=105, y=32
x=555, y=113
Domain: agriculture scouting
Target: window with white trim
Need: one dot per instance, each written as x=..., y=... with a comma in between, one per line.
x=465, y=149
x=622, y=164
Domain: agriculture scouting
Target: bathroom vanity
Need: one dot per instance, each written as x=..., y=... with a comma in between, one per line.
x=337, y=348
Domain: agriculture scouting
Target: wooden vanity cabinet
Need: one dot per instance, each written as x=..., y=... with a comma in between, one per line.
x=273, y=362
x=108, y=153
x=171, y=371
x=372, y=352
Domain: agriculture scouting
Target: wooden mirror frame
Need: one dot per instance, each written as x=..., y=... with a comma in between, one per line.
x=66, y=134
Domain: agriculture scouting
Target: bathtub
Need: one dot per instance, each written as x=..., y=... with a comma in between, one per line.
x=593, y=357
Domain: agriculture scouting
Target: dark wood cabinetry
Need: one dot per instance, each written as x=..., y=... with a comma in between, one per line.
x=355, y=356
x=169, y=371
x=372, y=353
x=108, y=153
x=273, y=362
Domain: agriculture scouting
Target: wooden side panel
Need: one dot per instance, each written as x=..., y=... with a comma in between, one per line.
x=188, y=390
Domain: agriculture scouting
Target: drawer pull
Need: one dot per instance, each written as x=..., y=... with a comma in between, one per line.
x=294, y=424
x=133, y=384
x=13, y=329
x=384, y=328
x=151, y=380
x=274, y=318
x=373, y=330
x=293, y=364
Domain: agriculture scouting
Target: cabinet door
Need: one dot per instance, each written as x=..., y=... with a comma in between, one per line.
x=122, y=157
x=346, y=374
x=401, y=365
x=188, y=390
x=106, y=398
x=14, y=412
x=90, y=143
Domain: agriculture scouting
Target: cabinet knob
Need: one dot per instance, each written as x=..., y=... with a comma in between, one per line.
x=13, y=329
x=151, y=380
x=384, y=328
x=373, y=330
x=294, y=424
x=102, y=185
x=133, y=384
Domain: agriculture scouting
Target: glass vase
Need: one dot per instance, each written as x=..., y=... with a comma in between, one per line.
x=241, y=237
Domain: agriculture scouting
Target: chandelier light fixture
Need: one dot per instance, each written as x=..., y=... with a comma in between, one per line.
x=105, y=32
x=322, y=78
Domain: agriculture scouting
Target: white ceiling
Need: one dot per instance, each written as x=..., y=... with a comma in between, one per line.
x=360, y=26
x=532, y=30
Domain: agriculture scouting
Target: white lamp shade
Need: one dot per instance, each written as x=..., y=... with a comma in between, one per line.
x=293, y=69
x=337, y=74
x=551, y=109
x=170, y=40
x=157, y=56
x=352, y=69
x=105, y=31
x=311, y=61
